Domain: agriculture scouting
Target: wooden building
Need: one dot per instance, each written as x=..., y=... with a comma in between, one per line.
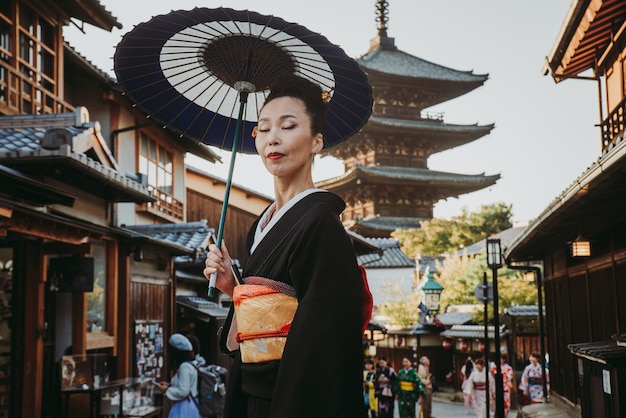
x=387, y=184
x=584, y=294
x=78, y=164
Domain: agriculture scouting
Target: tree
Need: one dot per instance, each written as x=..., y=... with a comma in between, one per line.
x=460, y=275
x=441, y=236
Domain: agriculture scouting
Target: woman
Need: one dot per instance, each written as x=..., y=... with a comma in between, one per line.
x=369, y=397
x=183, y=390
x=466, y=371
x=531, y=383
x=385, y=382
x=300, y=251
x=507, y=381
x=476, y=388
x=409, y=388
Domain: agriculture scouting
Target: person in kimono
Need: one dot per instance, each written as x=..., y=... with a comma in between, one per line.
x=385, y=384
x=531, y=382
x=369, y=397
x=507, y=381
x=476, y=388
x=304, y=358
x=408, y=389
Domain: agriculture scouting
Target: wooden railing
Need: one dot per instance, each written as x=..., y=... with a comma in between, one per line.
x=21, y=95
x=613, y=126
x=165, y=206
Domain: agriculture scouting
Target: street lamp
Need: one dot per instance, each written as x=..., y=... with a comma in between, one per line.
x=432, y=293
x=494, y=262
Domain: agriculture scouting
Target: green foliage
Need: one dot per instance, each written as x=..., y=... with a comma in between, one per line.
x=441, y=236
x=460, y=276
x=400, y=307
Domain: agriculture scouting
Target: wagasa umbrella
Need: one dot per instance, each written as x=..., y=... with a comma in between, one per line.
x=205, y=73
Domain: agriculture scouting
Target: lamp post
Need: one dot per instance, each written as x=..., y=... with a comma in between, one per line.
x=494, y=262
x=432, y=293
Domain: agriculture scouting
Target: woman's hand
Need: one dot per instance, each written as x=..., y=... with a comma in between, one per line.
x=218, y=261
x=163, y=386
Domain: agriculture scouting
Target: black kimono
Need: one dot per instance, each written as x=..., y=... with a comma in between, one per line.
x=320, y=373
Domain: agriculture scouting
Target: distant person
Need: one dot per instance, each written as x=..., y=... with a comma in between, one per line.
x=466, y=371
x=384, y=381
x=476, y=388
x=531, y=383
x=183, y=389
x=369, y=395
x=507, y=381
x=408, y=389
x=423, y=372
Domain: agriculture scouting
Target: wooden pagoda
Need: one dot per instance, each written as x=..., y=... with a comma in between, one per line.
x=387, y=184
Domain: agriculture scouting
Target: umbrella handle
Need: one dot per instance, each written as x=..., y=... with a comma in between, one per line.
x=243, y=99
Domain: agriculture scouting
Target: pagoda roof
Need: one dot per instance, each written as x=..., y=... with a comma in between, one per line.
x=462, y=183
x=382, y=226
x=388, y=62
x=395, y=62
x=444, y=135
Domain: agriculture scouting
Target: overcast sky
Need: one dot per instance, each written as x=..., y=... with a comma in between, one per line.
x=544, y=135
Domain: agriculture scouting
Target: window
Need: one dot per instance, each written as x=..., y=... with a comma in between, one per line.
x=96, y=300
x=156, y=163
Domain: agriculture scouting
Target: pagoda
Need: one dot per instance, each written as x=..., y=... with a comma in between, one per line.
x=387, y=184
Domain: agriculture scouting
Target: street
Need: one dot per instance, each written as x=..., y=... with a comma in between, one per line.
x=448, y=409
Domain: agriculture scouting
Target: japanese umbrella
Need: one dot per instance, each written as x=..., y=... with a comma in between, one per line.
x=205, y=73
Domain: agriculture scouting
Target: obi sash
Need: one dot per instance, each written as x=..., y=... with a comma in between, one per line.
x=535, y=381
x=407, y=386
x=480, y=386
x=264, y=311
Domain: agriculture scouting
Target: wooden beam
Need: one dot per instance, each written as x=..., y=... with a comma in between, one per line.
x=123, y=334
x=79, y=323
x=34, y=276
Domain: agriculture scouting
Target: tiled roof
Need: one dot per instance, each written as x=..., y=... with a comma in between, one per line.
x=384, y=224
x=193, y=235
x=454, y=318
x=410, y=175
x=392, y=256
x=430, y=126
x=20, y=146
x=506, y=238
x=472, y=331
x=396, y=62
x=523, y=310
x=606, y=352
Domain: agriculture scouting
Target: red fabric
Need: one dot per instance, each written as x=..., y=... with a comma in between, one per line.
x=368, y=301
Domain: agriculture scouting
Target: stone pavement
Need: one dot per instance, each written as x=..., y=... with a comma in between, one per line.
x=444, y=408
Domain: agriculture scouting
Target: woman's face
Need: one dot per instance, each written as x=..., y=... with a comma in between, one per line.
x=406, y=363
x=284, y=139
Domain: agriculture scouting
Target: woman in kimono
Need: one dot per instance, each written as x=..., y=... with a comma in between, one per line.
x=302, y=261
x=531, y=383
x=476, y=388
x=369, y=397
x=385, y=384
x=507, y=381
x=408, y=388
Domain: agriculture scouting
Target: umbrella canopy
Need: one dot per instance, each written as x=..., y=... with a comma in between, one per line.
x=187, y=70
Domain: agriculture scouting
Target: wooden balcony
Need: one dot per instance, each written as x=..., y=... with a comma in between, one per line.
x=165, y=207
x=613, y=126
x=20, y=95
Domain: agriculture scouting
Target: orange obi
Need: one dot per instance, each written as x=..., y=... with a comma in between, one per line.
x=264, y=316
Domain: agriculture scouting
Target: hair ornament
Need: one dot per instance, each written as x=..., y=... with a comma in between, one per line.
x=326, y=96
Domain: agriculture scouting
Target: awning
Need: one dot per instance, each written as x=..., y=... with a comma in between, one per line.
x=200, y=308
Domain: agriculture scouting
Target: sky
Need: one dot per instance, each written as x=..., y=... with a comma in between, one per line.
x=545, y=134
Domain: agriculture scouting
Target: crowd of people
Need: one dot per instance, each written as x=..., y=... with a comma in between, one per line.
x=474, y=384
x=382, y=386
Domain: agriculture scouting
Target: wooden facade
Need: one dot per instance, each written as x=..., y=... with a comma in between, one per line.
x=584, y=295
x=75, y=199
